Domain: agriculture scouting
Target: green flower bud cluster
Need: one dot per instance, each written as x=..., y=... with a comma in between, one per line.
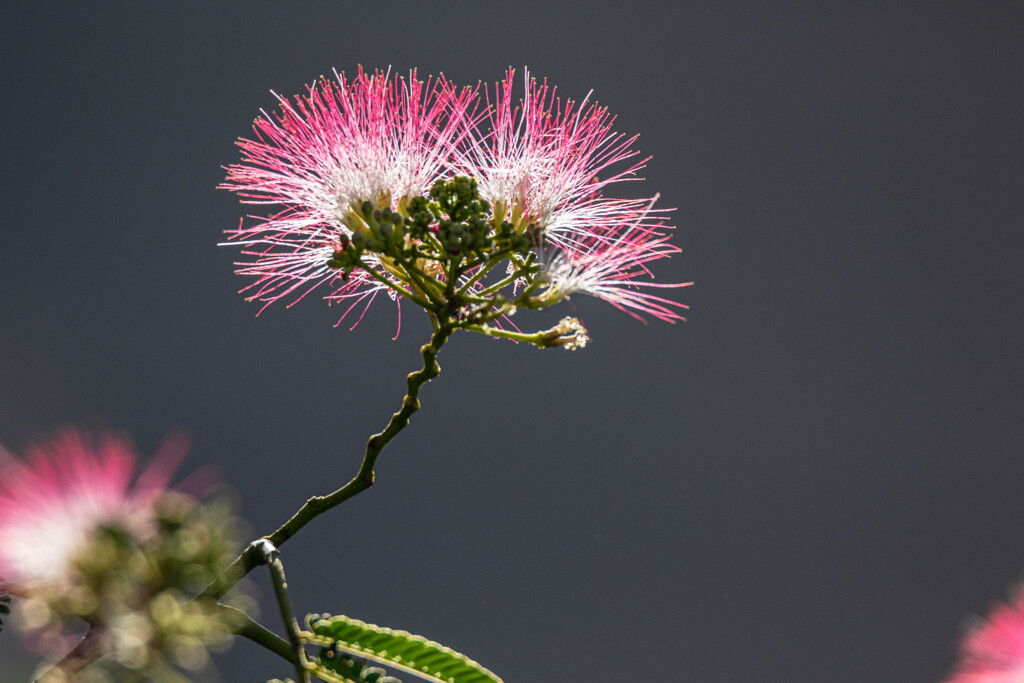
x=454, y=223
x=452, y=253
x=465, y=222
x=462, y=225
x=381, y=231
x=507, y=237
x=134, y=584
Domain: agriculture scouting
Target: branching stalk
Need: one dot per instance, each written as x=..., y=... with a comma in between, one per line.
x=401, y=290
x=73, y=662
x=259, y=634
x=425, y=283
x=535, y=338
x=498, y=286
x=272, y=558
x=485, y=267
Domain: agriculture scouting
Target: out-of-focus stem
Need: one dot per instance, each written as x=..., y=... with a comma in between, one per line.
x=67, y=669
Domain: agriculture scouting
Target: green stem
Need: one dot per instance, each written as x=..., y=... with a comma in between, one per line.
x=273, y=560
x=401, y=290
x=436, y=245
x=498, y=286
x=524, y=297
x=452, y=277
x=535, y=338
x=481, y=315
x=488, y=264
x=259, y=634
x=473, y=299
x=317, y=505
x=424, y=282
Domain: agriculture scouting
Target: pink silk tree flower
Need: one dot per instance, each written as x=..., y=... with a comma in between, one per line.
x=548, y=163
x=993, y=650
x=410, y=188
x=373, y=139
x=83, y=540
x=53, y=501
x=611, y=268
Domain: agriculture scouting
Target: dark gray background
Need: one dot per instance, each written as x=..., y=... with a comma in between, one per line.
x=814, y=479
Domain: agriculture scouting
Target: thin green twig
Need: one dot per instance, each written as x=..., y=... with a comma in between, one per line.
x=425, y=283
x=272, y=558
x=401, y=290
x=535, y=338
x=498, y=286
x=485, y=267
x=259, y=634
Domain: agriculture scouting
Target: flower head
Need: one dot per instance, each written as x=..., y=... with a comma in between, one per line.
x=374, y=139
x=614, y=269
x=548, y=163
x=993, y=649
x=52, y=502
x=396, y=186
x=79, y=541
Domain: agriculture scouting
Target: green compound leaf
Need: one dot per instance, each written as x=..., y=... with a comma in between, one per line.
x=399, y=651
x=337, y=667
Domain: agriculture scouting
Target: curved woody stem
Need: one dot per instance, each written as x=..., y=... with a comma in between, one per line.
x=317, y=505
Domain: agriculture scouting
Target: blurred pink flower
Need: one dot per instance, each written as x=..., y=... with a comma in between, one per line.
x=992, y=651
x=374, y=138
x=52, y=501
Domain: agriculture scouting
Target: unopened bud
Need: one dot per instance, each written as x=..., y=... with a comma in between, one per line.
x=569, y=333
